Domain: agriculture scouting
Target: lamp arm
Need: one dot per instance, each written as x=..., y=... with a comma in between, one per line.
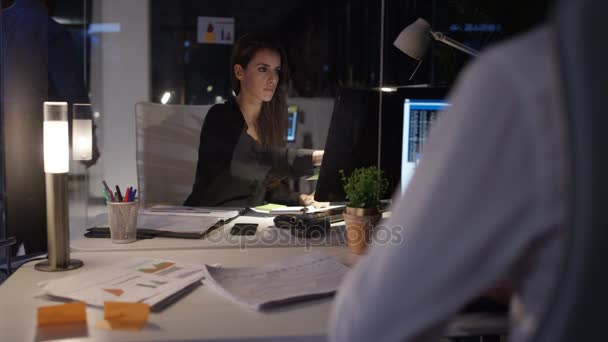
x=440, y=37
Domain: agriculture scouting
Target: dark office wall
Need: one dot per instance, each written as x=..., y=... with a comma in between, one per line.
x=476, y=23
x=329, y=43
x=181, y=65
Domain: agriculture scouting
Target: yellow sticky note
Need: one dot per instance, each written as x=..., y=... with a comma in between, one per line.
x=125, y=316
x=62, y=314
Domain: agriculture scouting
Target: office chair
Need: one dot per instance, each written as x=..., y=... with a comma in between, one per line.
x=167, y=151
x=578, y=309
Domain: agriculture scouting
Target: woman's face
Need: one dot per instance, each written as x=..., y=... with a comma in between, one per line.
x=261, y=76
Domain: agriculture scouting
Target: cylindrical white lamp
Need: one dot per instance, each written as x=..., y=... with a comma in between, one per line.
x=82, y=132
x=56, y=167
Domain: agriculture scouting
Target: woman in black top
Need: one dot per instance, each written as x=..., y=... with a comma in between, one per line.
x=242, y=159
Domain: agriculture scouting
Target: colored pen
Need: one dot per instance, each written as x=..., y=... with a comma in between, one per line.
x=118, y=194
x=133, y=195
x=105, y=194
x=108, y=191
x=127, y=195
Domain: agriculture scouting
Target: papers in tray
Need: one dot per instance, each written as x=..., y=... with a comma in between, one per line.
x=146, y=280
x=185, y=225
x=177, y=223
x=309, y=276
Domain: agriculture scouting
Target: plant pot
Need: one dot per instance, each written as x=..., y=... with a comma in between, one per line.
x=360, y=223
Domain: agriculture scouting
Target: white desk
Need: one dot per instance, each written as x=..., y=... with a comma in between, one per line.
x=202, y=315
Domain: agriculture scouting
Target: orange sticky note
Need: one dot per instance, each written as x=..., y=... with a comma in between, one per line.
x=125, y=316
x=62, y=314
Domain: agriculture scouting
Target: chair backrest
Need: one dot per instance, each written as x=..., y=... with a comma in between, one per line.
x=578, y=311
x=167, y=151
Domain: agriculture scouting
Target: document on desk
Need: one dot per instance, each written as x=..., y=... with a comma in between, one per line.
x=302, y=210
x=175, y=225
x=309, y=276
x=194, y=211
x=175, y=221
x=146, y=280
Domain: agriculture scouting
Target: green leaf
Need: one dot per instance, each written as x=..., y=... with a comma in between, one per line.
x=364, y=187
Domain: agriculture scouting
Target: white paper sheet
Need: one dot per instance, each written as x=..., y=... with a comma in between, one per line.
x=173, y=222
x=176, y=223
x=313, y=275
x=133, y=280
x=190, y=211
x=301, y=210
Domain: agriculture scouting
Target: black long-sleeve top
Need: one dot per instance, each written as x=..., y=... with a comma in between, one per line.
x=235, y=170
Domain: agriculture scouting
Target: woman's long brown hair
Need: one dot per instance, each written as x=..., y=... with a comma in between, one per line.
x=271, y=125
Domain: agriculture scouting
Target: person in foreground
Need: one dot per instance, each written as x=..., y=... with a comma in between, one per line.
x=243, y=160
x=487, y=204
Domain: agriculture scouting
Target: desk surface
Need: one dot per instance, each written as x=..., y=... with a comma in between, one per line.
x=200, y=315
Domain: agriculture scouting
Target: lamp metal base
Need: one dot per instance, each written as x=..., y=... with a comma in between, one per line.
x=46, y=266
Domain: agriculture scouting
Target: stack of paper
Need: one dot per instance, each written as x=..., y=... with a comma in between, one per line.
x=167, y=222
x=194, y=211
x=279, y=209
x=178, y=223
x=144, y=280
x=302, y=210
x=310, y=276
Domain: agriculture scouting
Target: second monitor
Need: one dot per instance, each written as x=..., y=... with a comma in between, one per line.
x=418, y=116
x=353, y=139
x=292, y=122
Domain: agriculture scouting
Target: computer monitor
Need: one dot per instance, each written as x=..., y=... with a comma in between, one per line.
x=418, y=117
x=292, y=119
x=352, y=141
x=392, y=130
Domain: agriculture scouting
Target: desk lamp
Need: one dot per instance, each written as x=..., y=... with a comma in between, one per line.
x=415, y=38
x=82, y=132
x=56, y=167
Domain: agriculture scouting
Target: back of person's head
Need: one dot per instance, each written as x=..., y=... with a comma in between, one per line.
x=272, y=121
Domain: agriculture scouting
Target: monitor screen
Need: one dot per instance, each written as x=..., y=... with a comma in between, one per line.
x=418, y=116
x=352, y=141
x=292, y=122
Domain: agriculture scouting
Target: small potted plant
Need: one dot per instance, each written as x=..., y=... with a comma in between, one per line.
x=363, y=188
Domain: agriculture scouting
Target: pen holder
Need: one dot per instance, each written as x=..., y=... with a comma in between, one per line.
x=122, y=218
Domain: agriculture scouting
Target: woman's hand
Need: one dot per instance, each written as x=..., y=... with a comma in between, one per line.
x=317, y=157
x=306, y=200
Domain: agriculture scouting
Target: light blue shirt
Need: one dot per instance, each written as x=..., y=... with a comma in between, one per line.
x=487, y=203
